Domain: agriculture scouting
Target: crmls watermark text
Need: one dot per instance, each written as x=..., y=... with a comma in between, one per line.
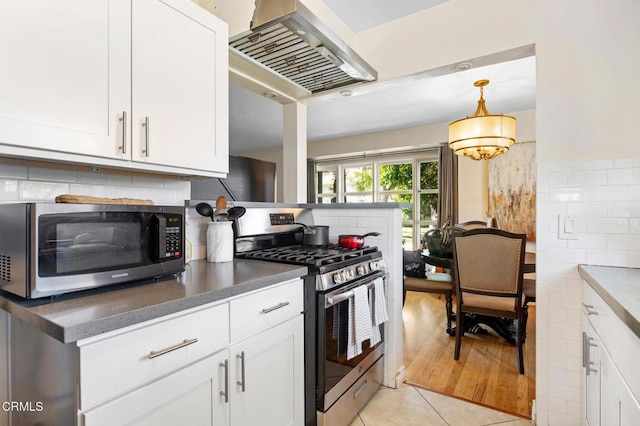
x=22, y=406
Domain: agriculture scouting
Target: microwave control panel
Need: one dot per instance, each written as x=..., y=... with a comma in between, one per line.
x=170, y=236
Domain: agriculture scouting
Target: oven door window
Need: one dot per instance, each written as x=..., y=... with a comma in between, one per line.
x=76, y=243
x=336, y=364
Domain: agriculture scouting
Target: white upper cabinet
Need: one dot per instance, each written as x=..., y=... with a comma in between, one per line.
x=80, y=79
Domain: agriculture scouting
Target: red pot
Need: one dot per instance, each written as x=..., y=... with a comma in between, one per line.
x=354, y=241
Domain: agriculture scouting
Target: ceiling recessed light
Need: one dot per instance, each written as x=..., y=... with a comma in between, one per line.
x=346, y=93
x=270, y=95
x=462, y=66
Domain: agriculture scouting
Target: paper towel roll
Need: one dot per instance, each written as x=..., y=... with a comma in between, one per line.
x=220, y=242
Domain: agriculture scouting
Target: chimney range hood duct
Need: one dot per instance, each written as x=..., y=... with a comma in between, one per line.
x=287, y=38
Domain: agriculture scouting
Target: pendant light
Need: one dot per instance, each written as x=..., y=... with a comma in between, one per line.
x=482, y=136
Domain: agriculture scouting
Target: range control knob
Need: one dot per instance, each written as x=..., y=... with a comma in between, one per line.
x=360, y=270
x=374, y=265
x=338, y=278
x=348, y=274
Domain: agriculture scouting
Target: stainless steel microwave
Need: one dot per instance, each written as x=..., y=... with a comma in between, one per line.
x=51, y=249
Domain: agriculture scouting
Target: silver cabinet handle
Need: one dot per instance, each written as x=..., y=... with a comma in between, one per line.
x=587, y=343
x=123, y=148
x=185, y=342
x=273, y=308
x=146, y=136
x=589, y=309
x=241, y=382
x=225, y=393
x=585, y=349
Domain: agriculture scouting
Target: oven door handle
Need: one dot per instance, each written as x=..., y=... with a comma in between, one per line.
x=337, y=297
x=341, y=297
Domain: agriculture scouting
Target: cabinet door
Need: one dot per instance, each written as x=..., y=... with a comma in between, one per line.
x=191, y=396
x=591, y=351
x=180, y=85
x=269, y=390
x=619, y=406
x=65, y=76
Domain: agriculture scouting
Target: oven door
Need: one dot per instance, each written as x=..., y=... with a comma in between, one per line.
x=336, y=373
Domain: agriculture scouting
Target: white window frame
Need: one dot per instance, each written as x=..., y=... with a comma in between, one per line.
x=414, y=158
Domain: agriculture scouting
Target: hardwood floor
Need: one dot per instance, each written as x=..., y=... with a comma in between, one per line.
x=486, y=372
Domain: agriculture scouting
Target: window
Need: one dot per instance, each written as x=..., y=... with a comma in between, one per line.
x=386, y=179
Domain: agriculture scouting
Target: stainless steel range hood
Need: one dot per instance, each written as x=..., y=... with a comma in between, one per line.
x=287, y=38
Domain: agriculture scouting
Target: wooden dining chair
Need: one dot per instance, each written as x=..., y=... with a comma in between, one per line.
x=472, y=224
x=489, y=269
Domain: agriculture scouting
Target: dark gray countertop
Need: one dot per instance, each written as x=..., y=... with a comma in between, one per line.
x=80, y=315
x=619, y=288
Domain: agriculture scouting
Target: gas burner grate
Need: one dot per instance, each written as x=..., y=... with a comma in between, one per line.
x=310, y=255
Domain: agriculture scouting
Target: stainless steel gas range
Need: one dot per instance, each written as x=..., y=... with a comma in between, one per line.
x=337, y=384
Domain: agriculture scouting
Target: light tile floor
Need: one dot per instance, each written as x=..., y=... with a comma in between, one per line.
x=410, y=405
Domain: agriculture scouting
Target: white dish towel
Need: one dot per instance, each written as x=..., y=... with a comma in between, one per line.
x=359, y=321
x=378, y=310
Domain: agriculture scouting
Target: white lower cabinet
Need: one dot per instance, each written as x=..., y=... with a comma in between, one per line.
x=268, y=379
x=191, y=396
x=238, y=363
x=609, y=355
x=618, y=405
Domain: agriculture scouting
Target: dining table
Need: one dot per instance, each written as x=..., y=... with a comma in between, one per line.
x=502, y=326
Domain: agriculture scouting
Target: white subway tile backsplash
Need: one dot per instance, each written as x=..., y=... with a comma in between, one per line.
x=367, y=222
x=57, y=175
x=634, y=259
x=92, y=178
x=557, y=179
x=620, y=176
x=588, y=241
x=607, y=257
x=147, y=182
x=348, y=221
x=91, y=190
x=177, y=184
x=624, y=242
x=41, y=191
x=608, y=193
x=548, y=168
x=581, y=178
x=624, y=209
x=594, y=165
x=567, y=194
x=587, y=209
x=9, y=190
x=608, y=226
x=555, y=208
x=558, y=376
x=634, y=192
x=623, y=163
x=118, y=180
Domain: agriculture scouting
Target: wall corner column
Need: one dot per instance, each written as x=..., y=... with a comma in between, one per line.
x=294, y=153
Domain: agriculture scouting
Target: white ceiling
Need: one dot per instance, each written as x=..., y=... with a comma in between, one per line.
x=256, y=121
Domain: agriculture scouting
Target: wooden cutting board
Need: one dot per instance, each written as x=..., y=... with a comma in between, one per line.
x=87, y=199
